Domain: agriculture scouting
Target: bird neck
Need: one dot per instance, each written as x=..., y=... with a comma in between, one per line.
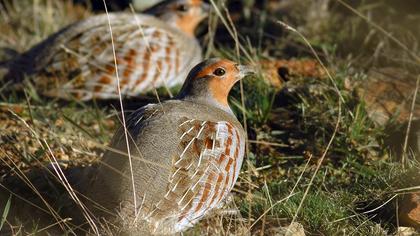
x=187, y=25
x=208, y=100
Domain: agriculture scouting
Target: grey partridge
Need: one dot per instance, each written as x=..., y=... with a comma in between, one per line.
x=153, y=50
x=186, y=154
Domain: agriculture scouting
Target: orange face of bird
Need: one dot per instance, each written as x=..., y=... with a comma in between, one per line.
x=215, y=78
x=190, y=13
x=183, y=14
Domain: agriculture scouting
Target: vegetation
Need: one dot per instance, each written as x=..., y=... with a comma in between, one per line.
x=314, y=154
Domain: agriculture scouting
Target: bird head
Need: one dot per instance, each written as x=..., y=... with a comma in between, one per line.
x=183, y=14
x=211, y=81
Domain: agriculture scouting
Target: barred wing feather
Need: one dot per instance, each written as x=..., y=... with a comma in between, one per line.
x=148, y=56
x=205, y=169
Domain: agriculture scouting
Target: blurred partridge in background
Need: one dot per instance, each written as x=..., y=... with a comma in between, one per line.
x=153, y=50
x=186, y=156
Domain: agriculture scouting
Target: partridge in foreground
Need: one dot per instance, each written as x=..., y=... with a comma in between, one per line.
x=186, y=155
x=151, y=51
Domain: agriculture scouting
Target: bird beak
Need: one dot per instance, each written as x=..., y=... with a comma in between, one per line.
x=245, y=70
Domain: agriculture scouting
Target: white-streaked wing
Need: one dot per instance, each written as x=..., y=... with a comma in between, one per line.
x=147, y=57
x=205, y=168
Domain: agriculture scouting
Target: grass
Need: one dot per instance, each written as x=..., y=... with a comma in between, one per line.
x=66, y=129
x=5, y=212
x=355, y=169
x=43, y=17
x=356, y=188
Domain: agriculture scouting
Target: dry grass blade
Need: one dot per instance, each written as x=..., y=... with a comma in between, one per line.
x=268, y=143
x=409, y=189
x=301, y=175
x=62, y=178
x=58, y=176
x=360, y=225
x=50, y=226
x=230, y=30
x=381, y=29
x=70, y=190
x=337, y=90
x=146, y=40
x=116, y=151
x=366, y=212
x=211, y=29
x=340, y=101
x=24, y=178
x=269, y=209
x=122, y=112
x=279, y=182
x=238, y=48
x=292, y=193
x=23, y=199
x=337, y=125
x=35, y=206
x=413, y=104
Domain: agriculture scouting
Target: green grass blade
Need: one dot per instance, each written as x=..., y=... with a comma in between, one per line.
x=5, y=212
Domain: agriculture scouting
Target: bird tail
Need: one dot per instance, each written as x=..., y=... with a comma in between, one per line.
x=7, y=57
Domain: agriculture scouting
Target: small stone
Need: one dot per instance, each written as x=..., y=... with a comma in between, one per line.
x=388, y=92
x=406, y=231
x=294, y=229
x=59, y=122
x=277, y=72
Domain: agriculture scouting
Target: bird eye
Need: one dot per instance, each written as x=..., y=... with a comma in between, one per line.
x=182, y=7
x=219, y=72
